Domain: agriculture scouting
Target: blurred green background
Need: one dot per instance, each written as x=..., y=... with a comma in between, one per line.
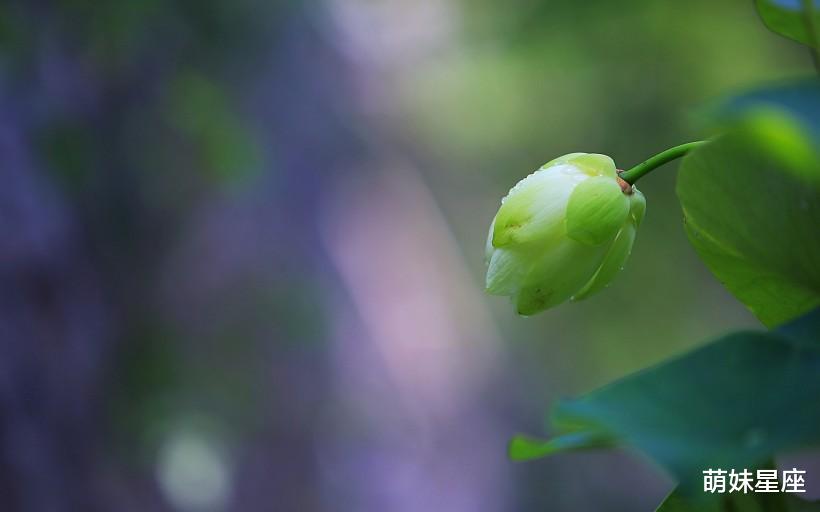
x=242, y=261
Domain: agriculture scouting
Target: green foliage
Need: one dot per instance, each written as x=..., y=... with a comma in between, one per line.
x=796, y=19
x=733, y=403
x=751, y=202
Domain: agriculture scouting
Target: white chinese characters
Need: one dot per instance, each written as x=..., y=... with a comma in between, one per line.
x=720, y=481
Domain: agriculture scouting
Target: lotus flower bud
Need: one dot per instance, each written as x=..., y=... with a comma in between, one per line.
x=562, y=233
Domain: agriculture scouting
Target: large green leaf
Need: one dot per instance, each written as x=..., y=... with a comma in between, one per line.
x=751, y=201
x=796, y=19
x=733, y=404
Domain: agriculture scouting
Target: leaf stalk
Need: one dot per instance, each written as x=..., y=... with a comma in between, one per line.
x=634, y=174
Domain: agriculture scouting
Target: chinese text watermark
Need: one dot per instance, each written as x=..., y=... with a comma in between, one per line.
x=719, y=481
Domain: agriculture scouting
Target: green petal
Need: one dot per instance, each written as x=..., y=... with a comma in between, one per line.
x=488, y=247
x=506, y=271
x=597, y=209
x=613, y=262
x=534, y=209
x=562, y=159
x=595, y=165
x=637, y=206
x=532, y=300
x=557, y=275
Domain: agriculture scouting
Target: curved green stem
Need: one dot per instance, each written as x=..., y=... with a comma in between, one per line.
x=632, y=175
